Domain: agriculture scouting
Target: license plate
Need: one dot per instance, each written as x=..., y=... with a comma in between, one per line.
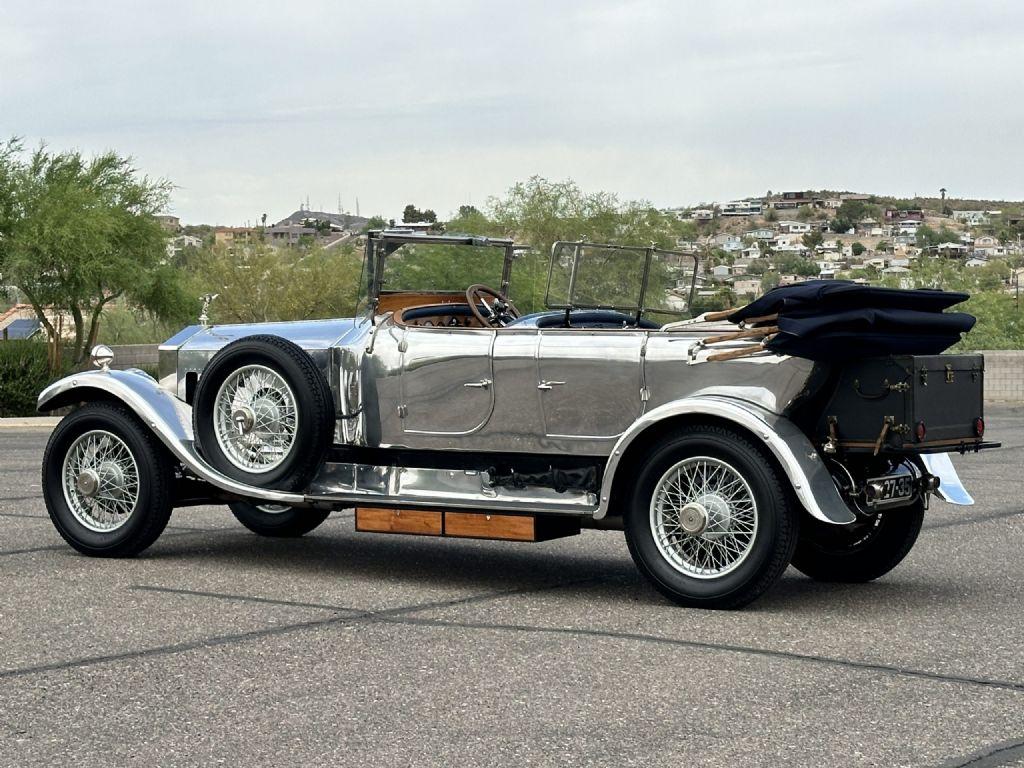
x=894, y=488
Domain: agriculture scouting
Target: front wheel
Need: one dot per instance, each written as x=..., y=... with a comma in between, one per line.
x=710, y=523
x=277, y=520
x=861, y=551
x=107, y=482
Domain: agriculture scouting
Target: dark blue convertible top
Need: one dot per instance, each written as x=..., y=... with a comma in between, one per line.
x=834, y=320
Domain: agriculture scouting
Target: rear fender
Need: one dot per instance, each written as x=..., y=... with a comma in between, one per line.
x=169, y=418
x=803, y=467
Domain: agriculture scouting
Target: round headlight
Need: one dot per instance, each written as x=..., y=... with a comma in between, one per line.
x=102, y=356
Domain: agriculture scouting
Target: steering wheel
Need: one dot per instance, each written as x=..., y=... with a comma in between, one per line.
x=499, y=314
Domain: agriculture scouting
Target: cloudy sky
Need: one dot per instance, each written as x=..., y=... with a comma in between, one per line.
x=250, y=107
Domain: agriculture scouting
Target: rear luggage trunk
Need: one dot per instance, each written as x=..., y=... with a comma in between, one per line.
x=905, y=404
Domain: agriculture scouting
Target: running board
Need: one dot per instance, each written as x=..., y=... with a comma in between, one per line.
x=343, y=483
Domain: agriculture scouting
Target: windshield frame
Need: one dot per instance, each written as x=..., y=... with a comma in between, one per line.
x=638, y=308
x=381, y=244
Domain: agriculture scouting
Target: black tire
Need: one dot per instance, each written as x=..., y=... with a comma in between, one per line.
x=861, y=551
x=314, y=429
x=774, y=538
x=287, y=523
x=152, y=509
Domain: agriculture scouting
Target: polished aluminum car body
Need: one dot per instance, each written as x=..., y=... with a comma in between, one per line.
x=424, y=410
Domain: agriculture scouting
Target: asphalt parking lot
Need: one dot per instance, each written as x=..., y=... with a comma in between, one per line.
x=219, y=647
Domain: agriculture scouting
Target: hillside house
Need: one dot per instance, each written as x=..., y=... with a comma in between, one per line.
x=721, y=271
x=749, y=287
x=951, y=250
x=702, y=214
x=855, y=196
x=975, y=261
x=231, y=235
x=896, y=215
x=169, y=223
x=761, y=233
x=752, y=251
x=728, y=243
x=740, y=208
x=794, y=227
x=833, y=203
x=971, y=218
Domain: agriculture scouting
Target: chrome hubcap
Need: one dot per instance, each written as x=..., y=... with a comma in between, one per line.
x=101, y=481
x=255, y=418
x=703, y=517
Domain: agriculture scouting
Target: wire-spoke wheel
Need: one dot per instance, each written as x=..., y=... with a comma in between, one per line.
x=107, y=481
x=100, y=481
x=703, y=517
x=255, y=418
x=263, y=413
x=710, y=521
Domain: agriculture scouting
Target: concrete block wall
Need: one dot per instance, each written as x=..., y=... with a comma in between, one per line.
x=1004, y=375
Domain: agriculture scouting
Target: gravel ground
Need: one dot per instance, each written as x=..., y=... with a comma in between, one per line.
x=219, y=647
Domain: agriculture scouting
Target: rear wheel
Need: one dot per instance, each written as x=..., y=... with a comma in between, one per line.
x=277, y=520
x=107, y=482
x=710, y=523
x=861, y=551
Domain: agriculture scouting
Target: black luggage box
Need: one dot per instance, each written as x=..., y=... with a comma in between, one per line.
x=920, y=403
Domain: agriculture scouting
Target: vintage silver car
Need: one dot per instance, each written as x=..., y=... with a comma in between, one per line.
x=446, y=413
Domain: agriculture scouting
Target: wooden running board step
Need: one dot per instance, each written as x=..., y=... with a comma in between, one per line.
x=465, y=525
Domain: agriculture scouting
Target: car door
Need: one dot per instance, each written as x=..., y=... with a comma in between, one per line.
x=446, y=380
x=589, y=381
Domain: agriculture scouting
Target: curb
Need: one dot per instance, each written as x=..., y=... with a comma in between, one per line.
x=31, y=422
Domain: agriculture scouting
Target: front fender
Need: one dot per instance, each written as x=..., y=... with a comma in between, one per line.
x=169, y=418
x=807, y=474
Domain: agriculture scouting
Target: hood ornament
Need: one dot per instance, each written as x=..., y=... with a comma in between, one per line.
x=204, y=313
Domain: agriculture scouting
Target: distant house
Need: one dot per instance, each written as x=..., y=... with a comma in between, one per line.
x=702, y=214
x=728, y=243
x=741, y=208
x=740, y=266
x=976, y=262
x=896, y=215
x=951, y=250
x=891, y=270
x=721, y=271
x=747, y=287
x=971, y=218
x=833, y=202
x=169, y=223
x=232, y=235
x=790, y=279
x=752, y=252
x=794, y=227
x=985, y=241
x=854, y=196
x=761, y=233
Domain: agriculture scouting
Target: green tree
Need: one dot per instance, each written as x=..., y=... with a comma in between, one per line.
x=375, y=223
x=412, y=214
x=813, y=239
x=857, y=248
x=77, y=234
x=260, y=283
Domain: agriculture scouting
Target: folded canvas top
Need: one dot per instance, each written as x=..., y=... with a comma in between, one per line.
x=817, y=296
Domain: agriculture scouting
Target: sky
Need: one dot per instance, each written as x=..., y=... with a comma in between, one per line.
x=253, y=107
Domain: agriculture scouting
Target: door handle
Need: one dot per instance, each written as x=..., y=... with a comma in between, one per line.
x=549, y=384
x=482, y=384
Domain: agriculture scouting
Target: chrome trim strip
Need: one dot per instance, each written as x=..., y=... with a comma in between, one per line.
x=950, y=488
x=807, y=474
x=169, y=418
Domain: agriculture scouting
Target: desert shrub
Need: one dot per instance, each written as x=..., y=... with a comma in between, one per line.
x=24, y=371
